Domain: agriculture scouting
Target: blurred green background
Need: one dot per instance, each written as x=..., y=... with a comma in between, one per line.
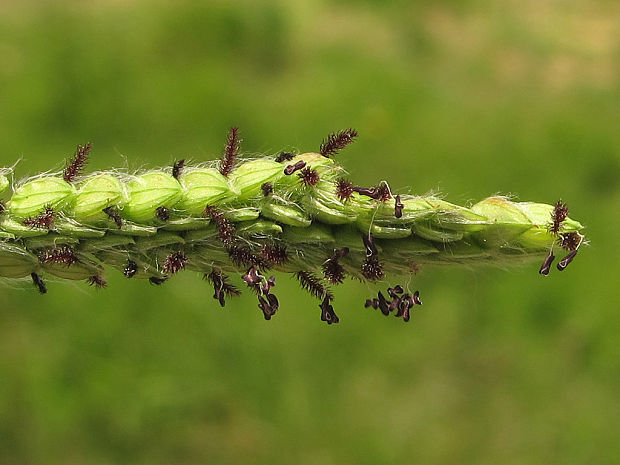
x=469, y=98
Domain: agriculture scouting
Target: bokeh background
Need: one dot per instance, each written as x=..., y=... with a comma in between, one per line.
x=469, y=98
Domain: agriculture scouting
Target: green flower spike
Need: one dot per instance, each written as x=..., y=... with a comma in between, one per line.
x=293, y=214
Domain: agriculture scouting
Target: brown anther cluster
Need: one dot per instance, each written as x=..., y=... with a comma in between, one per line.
x=39, y=283
x=162, y=213
x=231, y=151
x=113, y=213
x=344, y=189
x=130, y=269
x=221, y=287
x=76, y=165
x=398, y=207
x=290, y=169
x=174, y=263
x=285, y=156
x=267, y=189
x=267, y=301
x=61, y=256
x=44, y=220
x=336, y=142
x=568, y=241
x=333, y=271
x=309, y=176
x=226, y=230
x=177, y=168
x=401, y=303
x=96, y=280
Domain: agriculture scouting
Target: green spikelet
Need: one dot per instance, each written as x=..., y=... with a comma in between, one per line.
x=295, y=214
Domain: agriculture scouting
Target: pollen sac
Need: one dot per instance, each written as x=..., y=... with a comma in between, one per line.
x=148, y=192
x=201, y=187
x=34, y=196
x=94, y=195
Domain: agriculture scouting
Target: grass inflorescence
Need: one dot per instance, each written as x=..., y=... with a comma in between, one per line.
x=294, y=214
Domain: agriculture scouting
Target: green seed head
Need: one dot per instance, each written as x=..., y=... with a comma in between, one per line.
x=308, y=220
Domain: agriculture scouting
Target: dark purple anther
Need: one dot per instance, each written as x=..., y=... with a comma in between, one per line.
x=158, y=281
x=406, y=303
x=327, y=312
x=290, y=169
x=394, y=304
x=38, y=281
x=218, y=288
x=398, y=208
x=566, y=260
x=383, y=304
x=546, y=266
x=273, y=302
x=220, y=297
x=380, y=192
x=394, y=291
x=367, y=191
x=251, y=277
x=265, y=307
x=266, y=287
x=285, y=156
x=177, y=168
x=416, y=298
x=371, y=249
